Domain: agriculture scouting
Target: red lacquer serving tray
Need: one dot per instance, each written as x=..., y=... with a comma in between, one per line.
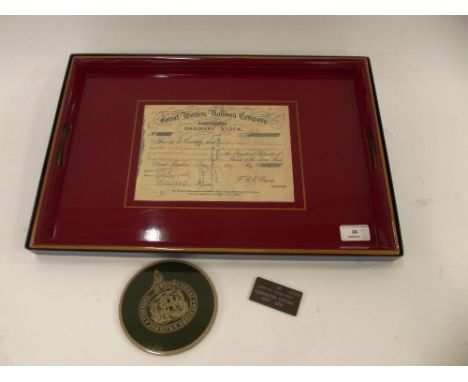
x=339, y=162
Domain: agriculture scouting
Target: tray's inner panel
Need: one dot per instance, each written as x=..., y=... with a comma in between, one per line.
x=85, y=197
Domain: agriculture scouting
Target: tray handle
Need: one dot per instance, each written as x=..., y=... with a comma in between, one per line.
x=371, y=148
x=63, y=144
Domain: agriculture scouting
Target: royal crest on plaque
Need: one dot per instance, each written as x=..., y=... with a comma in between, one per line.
x=167, y=306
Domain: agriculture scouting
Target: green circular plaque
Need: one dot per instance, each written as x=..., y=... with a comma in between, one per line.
x=168, y=307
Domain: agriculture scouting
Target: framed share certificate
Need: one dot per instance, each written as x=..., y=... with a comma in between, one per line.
x=217, y=154
x=220, y=152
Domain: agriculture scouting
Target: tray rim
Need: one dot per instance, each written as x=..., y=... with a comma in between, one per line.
x=390, y=253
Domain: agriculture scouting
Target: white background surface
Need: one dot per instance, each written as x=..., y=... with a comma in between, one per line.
x=64, y=309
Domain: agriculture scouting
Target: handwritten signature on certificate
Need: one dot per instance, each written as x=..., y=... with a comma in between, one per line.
x=232, y=153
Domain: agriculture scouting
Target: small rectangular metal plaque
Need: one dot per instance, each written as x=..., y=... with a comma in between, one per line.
x=276, y=296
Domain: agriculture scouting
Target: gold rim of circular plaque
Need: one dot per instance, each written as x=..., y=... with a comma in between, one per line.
x=191, y=344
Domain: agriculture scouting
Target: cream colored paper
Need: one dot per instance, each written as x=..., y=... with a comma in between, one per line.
x=232, y=153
